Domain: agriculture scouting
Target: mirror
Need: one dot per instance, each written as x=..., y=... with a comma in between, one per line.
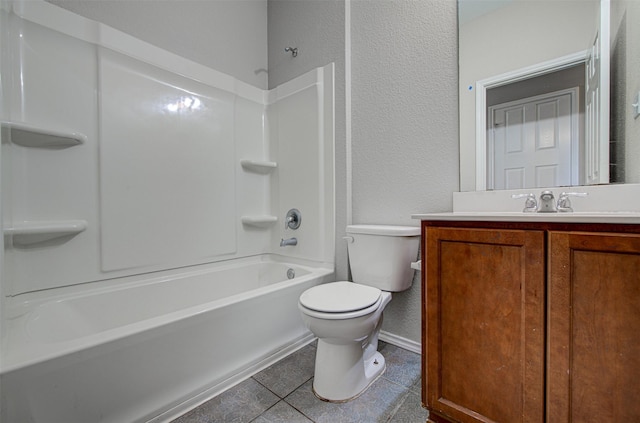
x=526, y=70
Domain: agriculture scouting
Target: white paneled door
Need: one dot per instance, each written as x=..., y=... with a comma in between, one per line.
x=533, y=142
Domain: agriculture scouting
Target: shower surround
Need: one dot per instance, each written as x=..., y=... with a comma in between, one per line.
x=126, y=166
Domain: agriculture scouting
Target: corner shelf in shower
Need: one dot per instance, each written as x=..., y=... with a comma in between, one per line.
x=36, y=137
x=32, y=232
x=258, y=166
x=260, y=221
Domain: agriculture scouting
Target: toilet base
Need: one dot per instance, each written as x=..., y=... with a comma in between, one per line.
x=341, y=372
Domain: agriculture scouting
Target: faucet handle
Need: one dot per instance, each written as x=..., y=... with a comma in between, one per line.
x=530, y=204
x=564, y=204
x=293, y=219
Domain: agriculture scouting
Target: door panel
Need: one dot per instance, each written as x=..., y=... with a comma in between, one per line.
x=485, y=311
x=594, y=322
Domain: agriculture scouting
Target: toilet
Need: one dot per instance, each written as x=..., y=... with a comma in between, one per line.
x=347, y=316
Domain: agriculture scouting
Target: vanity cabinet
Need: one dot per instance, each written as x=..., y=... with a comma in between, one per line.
x=531, y=322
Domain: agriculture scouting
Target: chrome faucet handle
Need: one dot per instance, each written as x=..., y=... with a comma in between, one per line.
x=530, y=204
x=564, y=204
x=293, y=219
x=547, y=204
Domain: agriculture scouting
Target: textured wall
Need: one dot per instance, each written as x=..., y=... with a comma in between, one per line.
x=226, y=35
x=405, y=122
x=316, y=28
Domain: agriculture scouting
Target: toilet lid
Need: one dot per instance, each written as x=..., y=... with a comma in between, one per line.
x=339, y=297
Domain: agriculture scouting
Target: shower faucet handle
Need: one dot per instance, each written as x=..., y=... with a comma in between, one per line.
x=293, y=219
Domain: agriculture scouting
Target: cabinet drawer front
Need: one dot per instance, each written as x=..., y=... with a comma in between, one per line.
x=484, y=324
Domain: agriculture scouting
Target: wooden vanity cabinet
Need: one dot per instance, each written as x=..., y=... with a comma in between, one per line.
x=531, y=322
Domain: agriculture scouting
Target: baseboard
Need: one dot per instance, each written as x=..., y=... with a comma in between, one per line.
x=401, y=342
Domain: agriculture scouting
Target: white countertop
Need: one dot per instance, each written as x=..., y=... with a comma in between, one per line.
x=615, y=203
x=575, y=217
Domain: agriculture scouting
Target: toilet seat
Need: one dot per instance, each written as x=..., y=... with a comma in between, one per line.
x=340, y=300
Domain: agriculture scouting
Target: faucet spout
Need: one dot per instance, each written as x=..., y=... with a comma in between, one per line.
x=546, y=204
x=288, y=242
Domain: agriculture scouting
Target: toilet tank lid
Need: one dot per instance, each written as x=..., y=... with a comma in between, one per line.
x=388, y=230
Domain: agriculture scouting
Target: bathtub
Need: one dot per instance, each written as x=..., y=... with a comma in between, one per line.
x=155, y=346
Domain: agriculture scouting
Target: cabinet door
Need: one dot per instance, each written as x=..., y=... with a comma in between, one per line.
x=594, y=328
x=484, y=325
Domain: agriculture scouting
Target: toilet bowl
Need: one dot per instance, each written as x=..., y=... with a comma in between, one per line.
x=346, y=316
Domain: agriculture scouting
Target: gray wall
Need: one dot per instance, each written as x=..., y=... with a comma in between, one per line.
x=404, y=111
x=226, y=35
x=405, y=124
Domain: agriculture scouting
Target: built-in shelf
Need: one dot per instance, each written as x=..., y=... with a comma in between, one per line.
x=27, y=233
x=33, y=136
x=258, y=166
x=259, y=220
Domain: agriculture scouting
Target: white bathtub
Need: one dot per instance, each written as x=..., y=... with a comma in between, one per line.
x=151, y=348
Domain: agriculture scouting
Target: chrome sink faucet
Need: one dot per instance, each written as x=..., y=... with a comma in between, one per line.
x=546, y=203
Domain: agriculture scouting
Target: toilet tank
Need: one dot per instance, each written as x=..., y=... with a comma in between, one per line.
x=381, y=255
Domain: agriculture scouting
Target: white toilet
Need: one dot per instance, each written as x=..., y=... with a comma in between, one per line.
x=347, y=316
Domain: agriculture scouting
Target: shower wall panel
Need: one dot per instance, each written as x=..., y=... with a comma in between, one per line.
x=157, y=182
x=167, y=192
x=155, y=179
x=51, y=80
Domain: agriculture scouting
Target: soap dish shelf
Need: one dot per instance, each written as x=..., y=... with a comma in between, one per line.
x=260, y=221
x=31, y=232
x=36, y=137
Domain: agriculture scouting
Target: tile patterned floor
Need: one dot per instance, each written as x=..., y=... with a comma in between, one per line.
x=282, y=393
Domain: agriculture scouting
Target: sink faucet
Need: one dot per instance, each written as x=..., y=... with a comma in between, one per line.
x=547, y=204
x=289, y=241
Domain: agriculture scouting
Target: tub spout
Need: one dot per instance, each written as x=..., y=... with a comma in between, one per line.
x=290, y=241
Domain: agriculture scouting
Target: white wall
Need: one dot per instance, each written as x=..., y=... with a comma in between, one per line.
x=513, y=37
x=226, y=35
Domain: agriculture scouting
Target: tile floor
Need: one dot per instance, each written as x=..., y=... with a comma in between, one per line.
x=282, y=393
